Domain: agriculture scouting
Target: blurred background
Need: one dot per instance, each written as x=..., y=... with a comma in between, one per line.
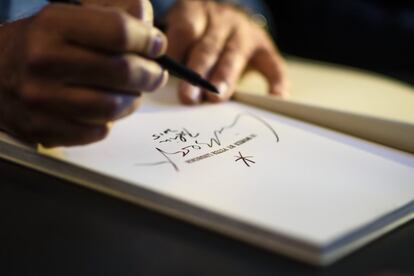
x=377, y=35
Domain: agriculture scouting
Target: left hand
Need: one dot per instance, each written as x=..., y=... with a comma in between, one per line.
x=219, y=42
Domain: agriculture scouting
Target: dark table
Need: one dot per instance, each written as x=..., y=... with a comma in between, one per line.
x=51, y=227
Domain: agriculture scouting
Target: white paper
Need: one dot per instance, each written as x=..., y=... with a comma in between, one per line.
x=295, y=179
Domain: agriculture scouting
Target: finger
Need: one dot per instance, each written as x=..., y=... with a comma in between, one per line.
x=52, y=131
x=186, y=23
x=145, y=74
x=82, y=104
x=103, y=29
x=82, y=67
x=229, y=68
x=204, y=55
x=268, y=62
x=132, y=107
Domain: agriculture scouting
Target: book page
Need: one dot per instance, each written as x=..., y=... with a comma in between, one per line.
x=341, y=88
x=255, y=166
x=356, y=102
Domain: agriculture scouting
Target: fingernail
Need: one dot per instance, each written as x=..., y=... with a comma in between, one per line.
x=119, y=102
x=122, y=102
x=157, y=45
x=165, y=77
x=161, y=81
x=195, y=94
x=222, y=88
x=280, y=90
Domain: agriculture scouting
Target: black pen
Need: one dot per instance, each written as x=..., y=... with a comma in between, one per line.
x=174, y=68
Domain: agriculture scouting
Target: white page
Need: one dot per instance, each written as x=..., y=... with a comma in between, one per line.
x=306, y=182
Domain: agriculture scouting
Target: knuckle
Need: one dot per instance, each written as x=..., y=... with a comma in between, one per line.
x=222, y=73
x=35, y=56
x=208, y=47
x=30, y=93
x=40, y=55
x=118, y=20
x=203, y=64
x=230, y=68
x=186, y=32
x=132, y=71
x=39, y=48
x=225, y=67
x=122, y=70
x=232, y=46
x=46, y=15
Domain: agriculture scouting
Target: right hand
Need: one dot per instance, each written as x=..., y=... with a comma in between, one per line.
x=70, y=70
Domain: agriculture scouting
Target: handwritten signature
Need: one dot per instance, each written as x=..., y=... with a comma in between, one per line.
x=195, y=143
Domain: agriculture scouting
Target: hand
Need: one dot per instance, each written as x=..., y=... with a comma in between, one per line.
x=219, y=42
x=70, y=70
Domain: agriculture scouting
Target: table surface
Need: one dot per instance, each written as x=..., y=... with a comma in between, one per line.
x=51, y=227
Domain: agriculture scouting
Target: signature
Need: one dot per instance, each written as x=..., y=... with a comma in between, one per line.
x=194, y=143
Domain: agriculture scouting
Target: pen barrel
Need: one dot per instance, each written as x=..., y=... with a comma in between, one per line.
x=180, y=71
x=177, y=69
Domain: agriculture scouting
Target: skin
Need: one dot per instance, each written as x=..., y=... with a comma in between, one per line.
x=220, y=42
x=69, y=70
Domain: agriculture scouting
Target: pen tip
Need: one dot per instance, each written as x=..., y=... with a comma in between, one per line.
x=212, y=88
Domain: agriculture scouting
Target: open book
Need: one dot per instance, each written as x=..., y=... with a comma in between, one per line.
x=351, y=101
x=276, y=182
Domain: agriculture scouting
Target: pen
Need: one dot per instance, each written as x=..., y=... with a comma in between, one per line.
x=174, y=68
